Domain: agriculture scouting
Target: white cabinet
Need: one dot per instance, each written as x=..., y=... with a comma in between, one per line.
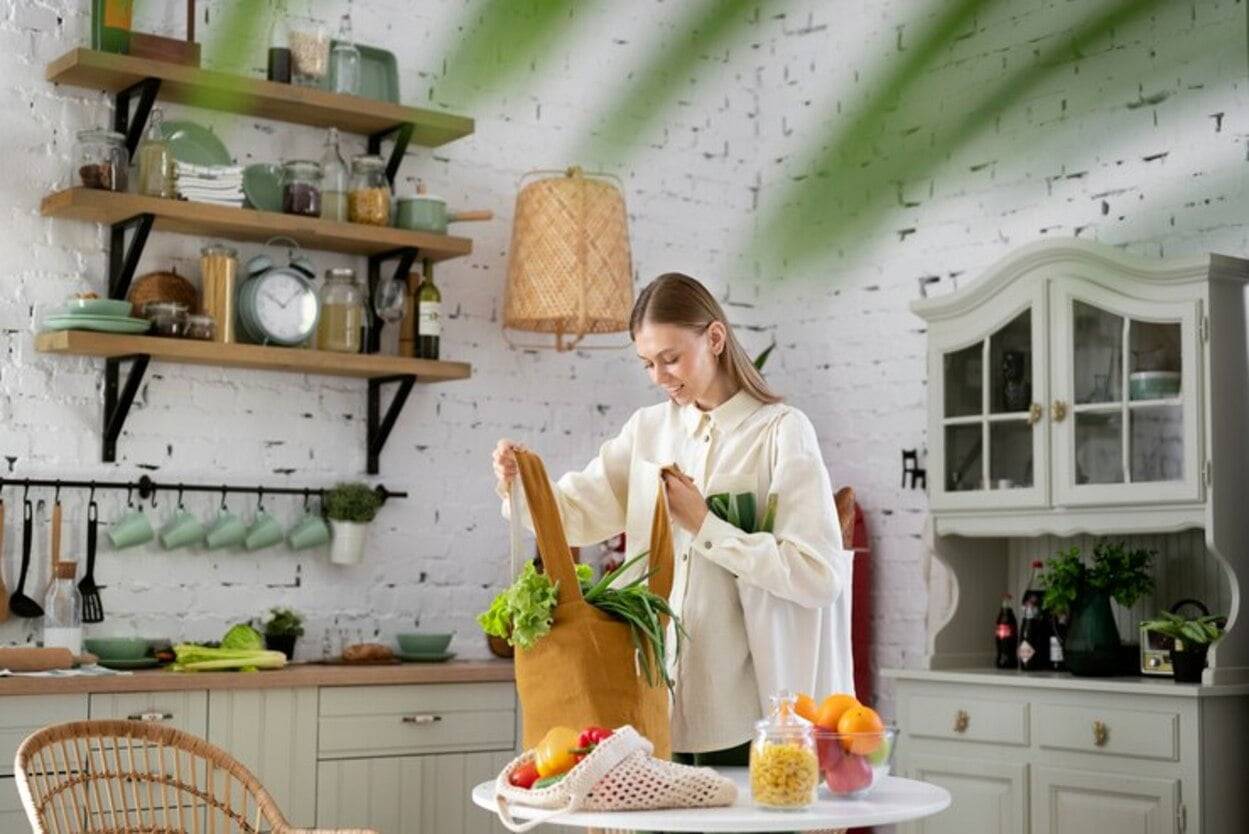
x=986, y=796
x=12, y=817
x=184, y=710
x=1094, y=802
x=21, y=715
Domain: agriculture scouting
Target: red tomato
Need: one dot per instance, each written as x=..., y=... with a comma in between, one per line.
x=524, y=776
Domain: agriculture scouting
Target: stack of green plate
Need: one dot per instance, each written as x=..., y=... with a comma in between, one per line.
x=104, y=314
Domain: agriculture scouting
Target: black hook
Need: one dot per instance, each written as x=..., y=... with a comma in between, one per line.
x=260, y=499
x=224, y=490
x=26, y=492
x=130, y=496
x=91, y=495
x=153, y=499
x=56, y=497
x=307, y=496
x=180, y=497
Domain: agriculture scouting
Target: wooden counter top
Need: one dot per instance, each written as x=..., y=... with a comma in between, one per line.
x=296, y=675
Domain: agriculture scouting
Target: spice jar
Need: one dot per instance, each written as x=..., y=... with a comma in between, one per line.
x=368, y=200
x=784, y=767
x=168, y=318
x=201, y=327
x=154, y=160
x=310, y=51
x=342, y=312
x=100, y=160
x=219, y=267
x=301, y=187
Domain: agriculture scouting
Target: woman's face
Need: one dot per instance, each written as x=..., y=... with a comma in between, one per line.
x=682, y=361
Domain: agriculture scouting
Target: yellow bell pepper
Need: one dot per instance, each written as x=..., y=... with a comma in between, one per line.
x=555, y=753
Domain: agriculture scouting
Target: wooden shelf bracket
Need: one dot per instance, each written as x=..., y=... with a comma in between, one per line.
x=117, y=406
x=379, y=425
x=132, y=129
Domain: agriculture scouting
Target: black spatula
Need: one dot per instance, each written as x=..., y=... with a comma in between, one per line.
x=19, y=603
x=92, y=607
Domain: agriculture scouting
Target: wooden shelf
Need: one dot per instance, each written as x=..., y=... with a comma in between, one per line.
x=254, y=96
x=289, y=360
x=206, y=220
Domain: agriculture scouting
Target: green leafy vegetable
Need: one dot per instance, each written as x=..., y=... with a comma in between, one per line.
x=522, y=613
x=769, y=514
x=1198, y=631
x=243, y=637
x=191, y=657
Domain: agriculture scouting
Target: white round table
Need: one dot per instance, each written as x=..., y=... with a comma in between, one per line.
x=894, y=800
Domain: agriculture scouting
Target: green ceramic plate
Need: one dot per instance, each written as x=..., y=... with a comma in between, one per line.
x=110, y=307
x=140, y=663
x=195, y=144
x=438, y=657
x=104, y=324
x=262, y=183
x=379, y=74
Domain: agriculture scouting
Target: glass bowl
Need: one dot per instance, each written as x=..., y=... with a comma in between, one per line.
x=852, y=764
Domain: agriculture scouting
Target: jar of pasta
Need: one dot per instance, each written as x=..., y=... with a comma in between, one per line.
x=784, y=767
x=368, y=195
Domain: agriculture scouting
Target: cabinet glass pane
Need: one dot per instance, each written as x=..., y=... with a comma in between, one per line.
x=962, y=381
x=1098, y=355
x=1010, y=366
x=964, y=457
x=1157, y=444
x=1099, y=448
x=1010, y=455
x=1155, y=362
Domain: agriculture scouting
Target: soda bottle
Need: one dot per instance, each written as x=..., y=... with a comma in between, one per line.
x=1034, y=638
x=1006, y=636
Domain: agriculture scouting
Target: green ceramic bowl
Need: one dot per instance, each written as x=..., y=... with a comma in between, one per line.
x=423, y=643
x=117, y=648
x=97, y=307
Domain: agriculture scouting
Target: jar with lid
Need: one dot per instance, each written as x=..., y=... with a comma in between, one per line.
x=62, y=611
x=279, y=66
x=342, y=312
x=368, y=201
x=202, y=327
x=301, y=187
x=100, y=160
x=219, y=269
x=784, y=766
x=168, y=318
x=154, y=160
x=310, y=50
x=334, y=179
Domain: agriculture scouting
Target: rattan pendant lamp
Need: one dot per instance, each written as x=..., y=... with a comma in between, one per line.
x=569, y=271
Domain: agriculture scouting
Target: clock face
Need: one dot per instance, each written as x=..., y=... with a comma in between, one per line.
x=285, y=307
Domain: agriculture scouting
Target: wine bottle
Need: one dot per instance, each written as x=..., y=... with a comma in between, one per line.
x=428, y=315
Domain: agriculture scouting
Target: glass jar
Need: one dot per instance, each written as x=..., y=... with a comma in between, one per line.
x=335, y=181
x=202, y=327
x=310, y=51
x=100, y=160
x=279, y=67
x=62, y=611
x=784, y=767
x=345, y=61
x=301, y=187
x=168, y=318
x=342, y=312
x=219, y=269
x=154, y=160
x=368, y=201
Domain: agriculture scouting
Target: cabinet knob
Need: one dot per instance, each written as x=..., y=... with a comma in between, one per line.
x=421, y=720
x=961, y=720
x=150, y=716
x=1058, y=411
x=1101, y=733
x=1035, y=413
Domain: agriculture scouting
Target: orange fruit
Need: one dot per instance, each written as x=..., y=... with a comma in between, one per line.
x=863, y=728
x=832, y=708
x=805, y=707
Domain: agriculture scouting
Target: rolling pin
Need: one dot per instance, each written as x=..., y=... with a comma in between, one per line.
x=35, y=660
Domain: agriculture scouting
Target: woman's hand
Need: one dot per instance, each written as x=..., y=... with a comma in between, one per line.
x=687, y=504
x=505, y=467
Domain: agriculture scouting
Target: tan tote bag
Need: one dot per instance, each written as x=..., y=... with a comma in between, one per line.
x=585, y=671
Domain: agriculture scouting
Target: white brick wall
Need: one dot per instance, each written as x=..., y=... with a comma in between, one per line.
x=1075, y=154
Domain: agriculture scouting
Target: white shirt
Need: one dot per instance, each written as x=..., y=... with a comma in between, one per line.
x=786, y=594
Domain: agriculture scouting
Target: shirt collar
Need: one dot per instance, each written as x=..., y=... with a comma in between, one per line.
x=725, y=417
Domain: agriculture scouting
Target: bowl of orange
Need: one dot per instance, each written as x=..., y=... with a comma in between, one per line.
x=855, y=747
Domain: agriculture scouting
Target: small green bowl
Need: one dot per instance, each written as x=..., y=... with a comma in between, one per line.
x=423, y=643
x=117, y=648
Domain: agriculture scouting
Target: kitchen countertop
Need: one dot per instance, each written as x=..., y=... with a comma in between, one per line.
x=295, y=675
x=1064, y=680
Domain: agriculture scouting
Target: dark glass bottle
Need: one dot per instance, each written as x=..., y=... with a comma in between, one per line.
x=1006, y=635
x=428, y=316
x=1034, y=632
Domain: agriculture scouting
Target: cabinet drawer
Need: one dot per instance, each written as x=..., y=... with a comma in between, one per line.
x=965, y=719
x=397, y=720
x=1137, y=734
x=21, y=715
x=187, y=711
x=12, y=817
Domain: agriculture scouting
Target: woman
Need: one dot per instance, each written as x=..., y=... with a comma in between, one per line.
x=763, y=611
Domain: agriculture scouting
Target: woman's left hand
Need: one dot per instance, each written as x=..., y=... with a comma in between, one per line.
x=687, y=504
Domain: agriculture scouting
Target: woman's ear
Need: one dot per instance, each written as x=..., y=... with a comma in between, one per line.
x=717, y=337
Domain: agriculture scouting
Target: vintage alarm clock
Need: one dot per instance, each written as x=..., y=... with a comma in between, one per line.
x=1156, y=648
x=278, y=305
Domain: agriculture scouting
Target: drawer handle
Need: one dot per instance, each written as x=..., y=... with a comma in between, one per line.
x=150, y=716
x=961, y=720
x=421, y=720
x=1101, y=733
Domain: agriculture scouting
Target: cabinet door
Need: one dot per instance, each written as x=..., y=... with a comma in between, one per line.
x=408, y=794
x=12, y=815
x=988, y=797
x=271, y=731
x=988, y=377
x=1127, y=392
x=1087, y=802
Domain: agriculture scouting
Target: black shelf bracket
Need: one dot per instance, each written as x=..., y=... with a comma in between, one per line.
x=406, y=257
x=132, y=128
x=379, y=425
x=403, y=135
x=123, y=260
x=117, y=405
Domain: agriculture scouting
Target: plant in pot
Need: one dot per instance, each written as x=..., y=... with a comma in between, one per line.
x=282, y=627
x=350, y=507
x=1091, y=647
x=1192, y=638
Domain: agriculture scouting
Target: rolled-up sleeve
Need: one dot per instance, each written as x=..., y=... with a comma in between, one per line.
x=802, y=559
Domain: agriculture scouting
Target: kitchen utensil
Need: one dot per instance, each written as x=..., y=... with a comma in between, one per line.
x=104, y=324
x=131, y=529
x=117, y=648
x=4, y=592
x=56, y=535
x=379, y=74
x=228, y=530
x=92, y=605
x=111, y=307
x=388, y=300
x=309, y=531
x=428, y=213
x=262, y=185
x=424, y=644
x=183, y=529
x=35, y=659
x=265, y=531
x=436, y=657
x=19, y=603
x=195, y=144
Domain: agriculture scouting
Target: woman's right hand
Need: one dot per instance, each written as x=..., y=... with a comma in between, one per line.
x=505, y=467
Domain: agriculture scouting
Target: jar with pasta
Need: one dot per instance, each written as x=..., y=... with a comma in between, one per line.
x=368, y=197
x=784, y=767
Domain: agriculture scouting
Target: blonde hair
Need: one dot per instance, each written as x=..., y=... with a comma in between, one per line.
x=677, y=299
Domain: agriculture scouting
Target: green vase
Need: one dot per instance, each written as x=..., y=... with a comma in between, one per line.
x=1092, y=645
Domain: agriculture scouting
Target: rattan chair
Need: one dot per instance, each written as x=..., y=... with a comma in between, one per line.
x=131, y=777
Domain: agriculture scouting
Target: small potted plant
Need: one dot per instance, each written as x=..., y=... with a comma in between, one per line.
x=282, y=627
x=1091, y=647
x=1192, y=638
x=350, y=507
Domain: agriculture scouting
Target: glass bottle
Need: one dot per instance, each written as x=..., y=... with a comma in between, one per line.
x=368, y=200
x=1034, y=637
x=333, y=179
x=155, y=160
x=345, y=61
x=301, y=187
x=62, y=611
x=784, y=767
x=279, y=47
x=342, y=312
x=1006, y=636
x=428, y=315
x=100, y=160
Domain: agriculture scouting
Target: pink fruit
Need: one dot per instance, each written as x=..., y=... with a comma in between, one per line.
x=850, y=774
x=828, y=748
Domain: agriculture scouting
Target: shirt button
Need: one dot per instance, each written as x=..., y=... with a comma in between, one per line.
x=706, y=438
x=707, y=545
x=685, y=557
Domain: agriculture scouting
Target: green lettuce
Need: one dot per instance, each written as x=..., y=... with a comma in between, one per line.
x=523, y=613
